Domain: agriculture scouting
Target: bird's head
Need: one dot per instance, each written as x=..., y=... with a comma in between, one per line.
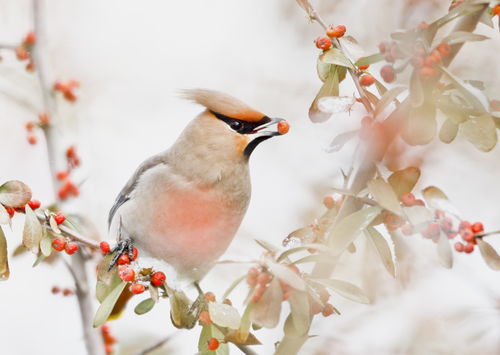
x=231, y=125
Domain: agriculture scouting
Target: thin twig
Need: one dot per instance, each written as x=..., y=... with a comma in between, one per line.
x=73, y=235
x=158, y=344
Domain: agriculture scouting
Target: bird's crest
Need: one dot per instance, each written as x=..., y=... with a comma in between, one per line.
x=224, y=104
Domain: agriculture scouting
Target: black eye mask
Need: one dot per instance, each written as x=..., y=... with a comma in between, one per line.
x=240, y=126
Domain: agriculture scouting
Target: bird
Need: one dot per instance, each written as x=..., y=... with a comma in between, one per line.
x=184, y=205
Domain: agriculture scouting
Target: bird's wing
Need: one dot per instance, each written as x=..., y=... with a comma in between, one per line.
x=127, y=190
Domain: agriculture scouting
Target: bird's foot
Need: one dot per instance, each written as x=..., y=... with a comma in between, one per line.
x=124, y=246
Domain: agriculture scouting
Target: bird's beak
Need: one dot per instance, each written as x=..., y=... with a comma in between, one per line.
x=279, y=127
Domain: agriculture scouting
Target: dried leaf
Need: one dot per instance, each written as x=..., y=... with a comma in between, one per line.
x=4, y=258
x=267, y=311
x=420, y=126
x=4, y=215
x=448, y=131
x=336, y=57
x=108, y=304
x=444, y=251
x=224, y=315
x=299, y=304
x=323, y=69
x=382, y=248
x=437, y=199
x=345, y=289
x=15, y=194
x=318, y=258
x=346, y=230
x=179, y=310
x=481, y=132
x=489, y=254
x=285, y=274
x=329, y=88
x=145, y=306
x=463, y=36
x=464, y=9
x=403, y=181
x=383, y=193
x=387, y=98
x=32, y=232
x=340, y=140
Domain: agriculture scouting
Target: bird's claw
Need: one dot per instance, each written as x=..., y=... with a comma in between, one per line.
x=124, y=246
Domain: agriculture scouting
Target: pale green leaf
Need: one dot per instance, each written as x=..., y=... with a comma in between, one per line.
x=448, y=131
x=437, y=199
x=416, y=90
x=145, y=306
x=481, y=132
x=382, y=249
x=299, y=304
x=345, y=289
x=387, y=98
x=489, y=254
x=4, y=215
x=303, y=247
x=383, y=193
x=420, y=126
x=46, y=244
x=285, y=274
x=108, y=304
x=32, y=232
x=374, y=58
x=211, y=331
x=473, y=95
x=464, y=36
x=418, y=216
x=269, y=247
x=224, y=315
x=244, y=329
x=267, y=311
x=444, y=251
x=4, y=258
x=330, y=88
x=336, y=57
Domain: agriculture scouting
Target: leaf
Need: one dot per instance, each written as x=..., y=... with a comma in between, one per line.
x=347, y=229
x=145, y=306
x=323, y=70
x=387, y=98
x=453, y=110
x=444, y=251
x=244, y=330
x=153, y=291
x=317, y=258
x=418, y=216
x=403, y=181
x=463, y=36
x=291, y=251
x=224, y=315
x=4, y=258
x=267, y=311
x=336, y=104
x=211, y=331
x=351, y=47
x=38, y=260
x=269, y=247
x=179, y=310
x=382, y=249
x=489, y=254
x=53, y=225
x=32, y=232
x=46, y=244
x=380, y=88
x=292, y=341
x=437, y=199
x=233, y=336
x=285, y=274
x=233, y=286
x=345, y=289
x=4, y=215
x=374, y=100
x=374, y=58
x=464, y=9
x=420, y=126
x=15, y=194
x=383, y=193
x=448, y=131
x=299, y=305
x=336, y=57
x=473, y=95
x=417, y=96
x=481, y=132
x=329, y=88
x=107, y=305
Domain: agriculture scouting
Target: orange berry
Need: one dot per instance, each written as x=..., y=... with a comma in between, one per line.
x=126, y=274
x=30, y=38
x=323, y=43
x=71, y=151
x=328, y=310
x=427, y=72
x=387, y=73
x=419, y=202
x=43, y=118
x=71, y=248
x=363, y=67
x=22, y=54
x=59, y=244
x=422, y=26
x=137, y=288
x=212, y=344
x=30, y=125
x=30, y=66
x=67, y=292
x=366, y=80
x=158, y=278
x=135, y=252
x=209, y=296
x=61, y=175
x=32, y=139
x=283, y=127
x=336, y=31
x=329, y=202
x=496, y=10
x=55, y=290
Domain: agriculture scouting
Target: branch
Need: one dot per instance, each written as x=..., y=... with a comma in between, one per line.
x=157, y=345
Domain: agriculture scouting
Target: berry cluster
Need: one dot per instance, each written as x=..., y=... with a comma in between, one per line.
x=68, y=188
x=67, y=89
x=34, y=204
x=332, y=31
x=65, y=291
x=108, y=339
x=23, y=51
x=468, y=232
x=43, y=120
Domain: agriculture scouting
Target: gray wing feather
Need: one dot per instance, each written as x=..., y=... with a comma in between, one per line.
x=127, y=190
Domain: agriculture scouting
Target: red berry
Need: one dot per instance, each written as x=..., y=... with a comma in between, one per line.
x=392, y=221
x=22, y=54
x=59, y=244
x=126, y=274
x=135, y=252
x=329, y=202
x=335, y=31
x=451, y=235
x=137, y=288
x=323, y=43
x=104, y=247
x=467, y=236
x=283, y=127
x=67, y=292
x=30, y=125
x=464, y=225
x=328, y=310
x=71, y=248
x=30, y=38
x=408, y=199
x=205, y=318
x=212, y=344
x=62, y=193
x=363, y=67
x=252, y=275
x=34, y=204
x=366, y=80
x=387, y=73
x=469, y=248
x=158, y=278
x=43, y=118
x=71, y=151
x=477, y=228
x=32, y=139
x=123, y=259
x=10, y=211
x=444, y=48
x=439, y=214
x=59, y=218
x=459, y=247
x=108, y=349
x=55, y=290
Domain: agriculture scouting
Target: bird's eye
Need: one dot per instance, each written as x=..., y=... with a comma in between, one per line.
x=236, y=125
